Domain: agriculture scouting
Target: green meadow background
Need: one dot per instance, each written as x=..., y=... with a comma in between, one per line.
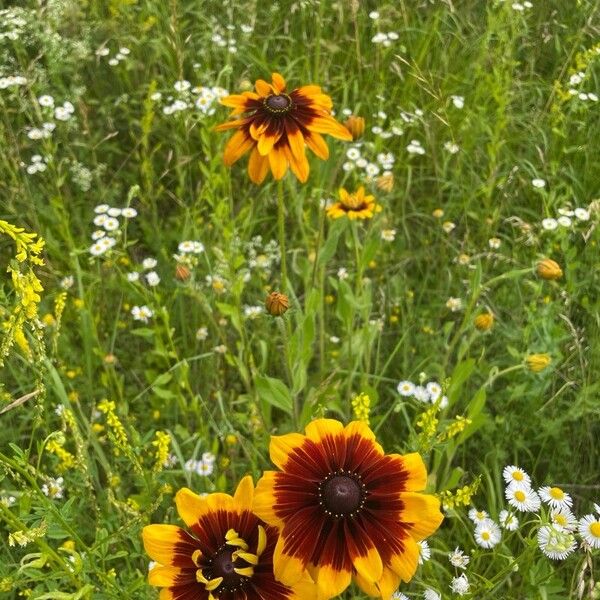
x=247, y=375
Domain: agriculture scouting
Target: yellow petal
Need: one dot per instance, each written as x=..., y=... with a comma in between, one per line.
x=417, y=473
x=331, y=582
x=163, y=576
x=282, y=446
x=190, y=506
x=298, y=164
x=264, y=499
x=278, y=163
x=237, y=146
x=319, y=429
x=388, y=584
x=369, y=566
x=278, y=82
x=317, y=144
x=330, y=126
x=405, y=563
x=258, y=167
x=164, y=544
x=244, y=494
x=263, y=88
x=266, y=143
x=287, y=569
x=423, y=512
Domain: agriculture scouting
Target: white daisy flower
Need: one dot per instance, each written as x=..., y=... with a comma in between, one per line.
x=564, y=221
x=563, y=518
x=538, y=183
x=152, y=278
x=566, y=212
x=514, y=474
x=114, y=212
x=110, y=224
x=99, y=220
x=430, y=594
x=190, y=465
x=589, y=530
x=46, y=100
x=388, y=235
x=353, y=153
x=582, y=214
x=406, y=388
x=555, y=497
x=549, y=224
x=460, y=585
x=597, y=508
x=478, y=516
x=398, y=595
x=454, y=304
x=96, y=235
x=129, y=213
x=556, y=543
x=424, y=551
x=508, y=520
x=201, y=333
x=133, y=276
x=421, y=394
x=458, y=559
x=523, y=498
x=141, y=313
x=487, y=534
x=205, y=469
x=458, y=101
x=149, y=263
x=435, y=390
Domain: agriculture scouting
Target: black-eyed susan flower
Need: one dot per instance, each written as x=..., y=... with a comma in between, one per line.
x=356, y=205
x=275, y=126
x=227, y=555
x=344, y=509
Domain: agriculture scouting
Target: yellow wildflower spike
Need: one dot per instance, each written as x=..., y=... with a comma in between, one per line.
x=245, y=572
x=262, y=540
x=249, y=558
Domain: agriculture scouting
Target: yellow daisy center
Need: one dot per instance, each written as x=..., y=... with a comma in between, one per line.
x=480, y=515
x=485, y=535
x=517, y=476
x=557, y=493
x=520, y=496
x=595, y=529
x=560, y=519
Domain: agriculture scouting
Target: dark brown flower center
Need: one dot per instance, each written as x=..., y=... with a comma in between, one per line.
x=342, y=494
x=223, y=565
x=278, y=103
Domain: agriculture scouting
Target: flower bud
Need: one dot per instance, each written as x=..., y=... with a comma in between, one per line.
x=276, y=304
x=484, y=321
x=549, y=269
x=182, y=272
x=537, y=362
x=355, y=125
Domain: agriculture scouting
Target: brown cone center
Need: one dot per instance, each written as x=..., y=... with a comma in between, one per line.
x=342, y=495
x=278, y=103
x=224, y=566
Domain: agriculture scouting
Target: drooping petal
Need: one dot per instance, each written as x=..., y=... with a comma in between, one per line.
x=237, y=146
x=278, y=162
x=331, y=126
x=235, y=124
x=264, y=499
x=317, y=144
x=298, y=164
x=258, y=166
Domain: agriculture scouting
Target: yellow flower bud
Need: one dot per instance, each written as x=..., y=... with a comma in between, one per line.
x=538, y=362
x=355, y=125
x=484, y=321
x=277, y=304
x=549, y=269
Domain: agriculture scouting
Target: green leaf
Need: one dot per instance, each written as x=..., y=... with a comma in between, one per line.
x=274, y=392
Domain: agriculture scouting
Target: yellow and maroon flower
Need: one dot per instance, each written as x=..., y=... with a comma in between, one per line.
x=276, y=126
x=227, y=556
x=344, y=509
x=354, y=206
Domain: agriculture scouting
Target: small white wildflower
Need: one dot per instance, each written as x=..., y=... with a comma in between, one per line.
x=152, y=278
x=538, y=183
x=458, y=559
x=549, y=224
x=388, y=235
x=149, y=263
x=201, y=333
x=133, y=276
x=460, y=585
x=458, y=101
x=141, y=313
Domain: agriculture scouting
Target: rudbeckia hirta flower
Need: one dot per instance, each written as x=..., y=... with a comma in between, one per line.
x=354, y=205
x=228, y=553
x=276, y=126
x=345, y=510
